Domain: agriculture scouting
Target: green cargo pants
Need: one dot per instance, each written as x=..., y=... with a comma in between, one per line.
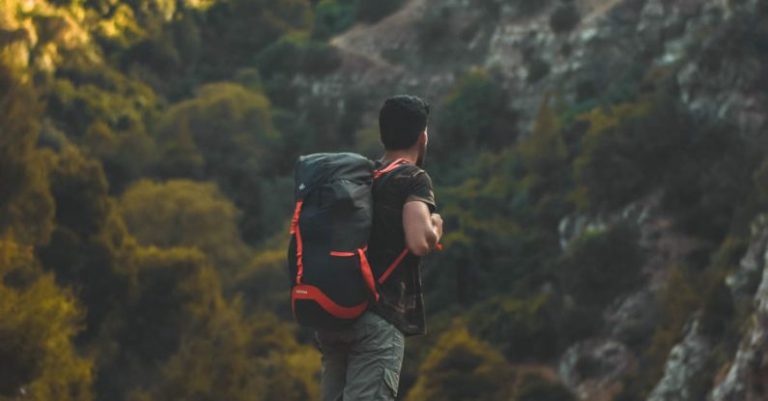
x=363, y=362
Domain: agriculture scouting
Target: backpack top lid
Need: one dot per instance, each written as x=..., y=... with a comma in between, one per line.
x=312, y=170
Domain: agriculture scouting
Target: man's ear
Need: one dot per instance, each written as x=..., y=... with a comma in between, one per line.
x=424, y=137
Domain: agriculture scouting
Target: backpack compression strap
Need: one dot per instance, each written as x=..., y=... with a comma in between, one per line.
x=404, y=253
x=389, y=168
x=376, y=174
x=299, y=246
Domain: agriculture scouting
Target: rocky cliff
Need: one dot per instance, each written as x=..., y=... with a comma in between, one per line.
x=714, y=54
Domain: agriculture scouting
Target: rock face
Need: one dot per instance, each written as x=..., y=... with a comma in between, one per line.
x=747, y=378
x=715, y=52
x=593, y=368
x=685, y=365
x=615, y=44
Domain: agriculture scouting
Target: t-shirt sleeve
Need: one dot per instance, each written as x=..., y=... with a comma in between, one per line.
x=419, y=188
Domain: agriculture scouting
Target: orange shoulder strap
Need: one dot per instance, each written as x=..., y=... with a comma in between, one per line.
x=388, y=168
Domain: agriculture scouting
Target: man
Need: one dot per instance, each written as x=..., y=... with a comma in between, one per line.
x=363, y=363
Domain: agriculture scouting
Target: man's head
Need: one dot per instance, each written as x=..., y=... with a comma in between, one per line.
x=403, y=124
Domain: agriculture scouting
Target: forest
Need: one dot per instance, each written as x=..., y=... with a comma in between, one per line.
x=146, y=174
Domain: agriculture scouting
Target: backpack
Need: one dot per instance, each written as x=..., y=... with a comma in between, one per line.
x=331, y=280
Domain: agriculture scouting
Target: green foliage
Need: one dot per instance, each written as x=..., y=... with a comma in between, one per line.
x=544, y=156
x=262, y=282
x=449, y=33
x=712, y=181
x=333, y=16
x=689, y=293
x=80, y=188
x=475, y=115
x=459, y=367
x=183, y=213
x=294, y=54
x=374, y=10
x=522, y=329
x=180, y=314
x=631, y=149
x=26, y=206
x=237, y=29
x=598, y=267
x=226, y=134
x=205, y=94
x=88, y=238
x=84, y=94
x=536, y=388
x=105, y=112
x=611, y=167
x=537, y=70
x=38, y=321
x=565, y=18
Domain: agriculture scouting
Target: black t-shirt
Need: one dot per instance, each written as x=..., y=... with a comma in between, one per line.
x=401, y=301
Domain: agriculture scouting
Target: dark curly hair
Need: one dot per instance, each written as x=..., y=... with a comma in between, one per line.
x=402, y=119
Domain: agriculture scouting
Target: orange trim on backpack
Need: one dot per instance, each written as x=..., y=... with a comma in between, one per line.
x=342, y=254
x=390, y=167
x=308, y=292
x=365, y=269
x=347, y=254
x=393, y=266
x=299, y=246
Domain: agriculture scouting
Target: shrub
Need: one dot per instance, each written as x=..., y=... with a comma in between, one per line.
x=461, y=368
x=476, y=114
x=537, y=388
x=375, y=10
x=564, y=18
x=537, y=69
x=598, y=267
x=332, y=17
x=710, y=182
x=294, y=54
x=523, y=329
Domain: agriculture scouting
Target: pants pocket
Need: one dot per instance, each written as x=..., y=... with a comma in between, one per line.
x=392, y=380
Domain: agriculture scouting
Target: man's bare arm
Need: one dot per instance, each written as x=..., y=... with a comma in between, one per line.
x=422, y=229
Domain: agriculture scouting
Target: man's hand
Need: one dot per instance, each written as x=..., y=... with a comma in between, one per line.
x=437, y=223
x=422, y=230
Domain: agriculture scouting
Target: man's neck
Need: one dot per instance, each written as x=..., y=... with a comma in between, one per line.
x=410, y=156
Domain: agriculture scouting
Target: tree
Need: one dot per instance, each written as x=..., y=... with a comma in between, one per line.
x=476, y=115
x=38, y=321
x=26, y=205
x=232, y=129
x=460, y=367
x=184, y=213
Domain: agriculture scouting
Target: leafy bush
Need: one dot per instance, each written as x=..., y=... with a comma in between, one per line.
x=600, y=266
x=536, y=388
x=237, y=29
x=38, y=323
x=527, y=7
x=537, y=70
x=294, y=54
x=185, y=213
x=565, y=18
x=522, y=329
x=711, y=181
x=475, y=115
x=333, y=16
x=462, y=368
x=374, y=10
x=227, y=135
x=623, y=153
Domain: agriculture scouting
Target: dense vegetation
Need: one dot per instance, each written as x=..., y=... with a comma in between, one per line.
x=146, y=149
